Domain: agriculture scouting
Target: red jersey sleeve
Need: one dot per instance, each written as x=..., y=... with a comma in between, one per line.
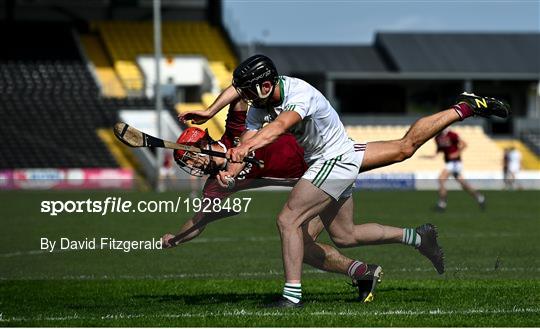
x=284, y=158
x=235, y=125
x=213, y=190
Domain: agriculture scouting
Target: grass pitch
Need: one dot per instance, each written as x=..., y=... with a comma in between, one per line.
x=224, y=276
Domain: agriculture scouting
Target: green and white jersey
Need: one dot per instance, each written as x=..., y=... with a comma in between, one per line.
x=320, y=133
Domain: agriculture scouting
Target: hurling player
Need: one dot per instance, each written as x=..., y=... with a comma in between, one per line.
x=451, y=145
x=280, y=104
x=283, y=165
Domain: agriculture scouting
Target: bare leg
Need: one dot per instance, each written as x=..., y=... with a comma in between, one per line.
x=320, y=255
x=384, y=153
x=443, y=194
x=467, y=187
x=512, y=181
x=305, y=202
x=338, y=220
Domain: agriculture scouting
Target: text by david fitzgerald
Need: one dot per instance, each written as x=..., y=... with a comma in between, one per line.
x=100, y=244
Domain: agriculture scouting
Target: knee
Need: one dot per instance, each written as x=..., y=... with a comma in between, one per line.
x=442, y=181
x=406, y=149
x=286, y=222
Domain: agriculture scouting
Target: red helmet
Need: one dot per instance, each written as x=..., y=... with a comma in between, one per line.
x=197, y=137
x=190, y=136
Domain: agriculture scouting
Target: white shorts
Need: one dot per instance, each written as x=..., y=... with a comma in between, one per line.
x=514, y=168
x=336, y=176
x=454, y=167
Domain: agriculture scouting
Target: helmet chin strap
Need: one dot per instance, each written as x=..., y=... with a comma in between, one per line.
x=260, y=94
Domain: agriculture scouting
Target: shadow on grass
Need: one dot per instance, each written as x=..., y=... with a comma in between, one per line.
x=341, y=296
x=236, y=298
x=209, y=299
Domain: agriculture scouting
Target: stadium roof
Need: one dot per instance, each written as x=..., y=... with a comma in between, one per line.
x=462, y=52
x=320, y=59
x=418, y=56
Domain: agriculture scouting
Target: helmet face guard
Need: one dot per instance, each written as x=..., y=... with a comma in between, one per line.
x=195, y=164
x=249, y=76
x=257, y=99
x=246, y=94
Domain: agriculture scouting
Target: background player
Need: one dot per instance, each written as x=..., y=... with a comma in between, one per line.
x=511, y=167
x=452, y=146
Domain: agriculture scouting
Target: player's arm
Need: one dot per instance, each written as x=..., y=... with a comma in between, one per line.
x=224, y=176
x=226, y=97
x=193, y=227
x=248, y=134
x=430, y=156
x=461, y=144
x=234, y=168
x=190, y=230
x=266, y=135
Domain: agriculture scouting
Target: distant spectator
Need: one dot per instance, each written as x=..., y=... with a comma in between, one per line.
x=166, y=172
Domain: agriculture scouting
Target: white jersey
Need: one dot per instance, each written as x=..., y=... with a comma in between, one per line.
x=514, y=160
x=320, y=133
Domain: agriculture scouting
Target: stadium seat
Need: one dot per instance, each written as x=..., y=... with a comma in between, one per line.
x=530, y=161
x=481, y=154
x=51, y=106
x=125, y=40
x=111, y=85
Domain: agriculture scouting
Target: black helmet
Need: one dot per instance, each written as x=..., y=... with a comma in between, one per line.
x=249, y=76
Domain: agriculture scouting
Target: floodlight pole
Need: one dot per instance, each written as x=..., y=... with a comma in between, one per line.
x=157, y=90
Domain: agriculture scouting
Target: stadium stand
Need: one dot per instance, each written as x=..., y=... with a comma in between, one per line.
x=532, y=139
x=97, y=55
x=50, y=105
x=529, y=160
x=481, y=154
x=125, y=40
x=216, y=125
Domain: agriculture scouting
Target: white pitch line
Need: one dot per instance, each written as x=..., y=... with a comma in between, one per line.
x=23, y=253
x=163, y=276
x=242, y=313
x=270, y=273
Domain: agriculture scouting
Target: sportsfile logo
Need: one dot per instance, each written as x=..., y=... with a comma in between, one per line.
x=113, y=205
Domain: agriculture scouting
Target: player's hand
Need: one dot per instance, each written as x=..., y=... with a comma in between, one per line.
x=196, y=117
x=165, y=241
x=225, y=179
x=237, y=154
